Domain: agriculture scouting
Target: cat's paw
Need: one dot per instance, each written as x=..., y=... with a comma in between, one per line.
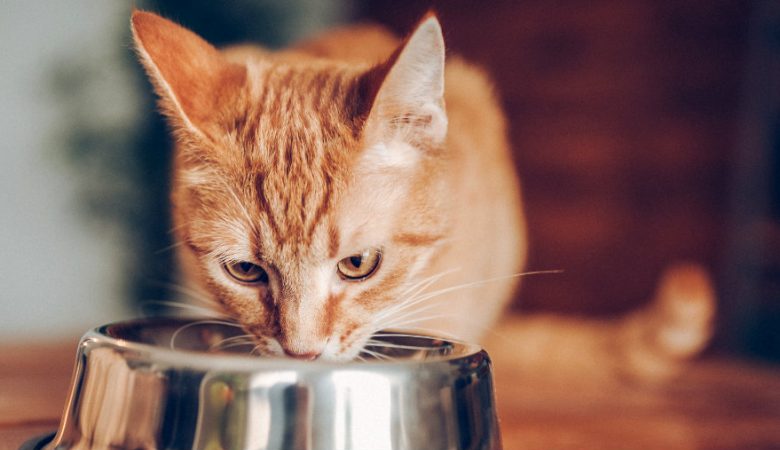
x=685, y=306
x=675, y=327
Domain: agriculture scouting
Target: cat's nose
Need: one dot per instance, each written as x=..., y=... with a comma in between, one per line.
x=309, y=356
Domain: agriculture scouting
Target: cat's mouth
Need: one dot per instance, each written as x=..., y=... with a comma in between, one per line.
x=383, y=345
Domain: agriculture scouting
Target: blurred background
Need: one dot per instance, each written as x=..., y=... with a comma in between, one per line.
x=645, y=132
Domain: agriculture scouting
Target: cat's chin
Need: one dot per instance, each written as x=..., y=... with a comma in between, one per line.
x=340, y=355
x=337, y=358
x=269, y=347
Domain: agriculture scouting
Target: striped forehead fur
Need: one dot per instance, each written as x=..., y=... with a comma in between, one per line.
x=288, y=147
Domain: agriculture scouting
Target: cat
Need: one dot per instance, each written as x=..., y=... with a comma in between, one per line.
x=356, y=182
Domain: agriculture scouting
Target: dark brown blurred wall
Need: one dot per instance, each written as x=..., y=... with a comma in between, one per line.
x=623, y=119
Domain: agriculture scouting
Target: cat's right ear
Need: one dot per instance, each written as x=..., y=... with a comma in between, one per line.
x=406, y=93
x=194, y=81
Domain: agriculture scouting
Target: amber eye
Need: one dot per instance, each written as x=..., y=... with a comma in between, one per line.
x=246, y=272
x=360, y=266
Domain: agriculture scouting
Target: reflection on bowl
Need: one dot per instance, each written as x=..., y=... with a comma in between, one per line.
x=131, y=390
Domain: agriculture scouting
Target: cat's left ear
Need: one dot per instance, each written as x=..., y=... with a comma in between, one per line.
x=193, y=79
x=409, y=101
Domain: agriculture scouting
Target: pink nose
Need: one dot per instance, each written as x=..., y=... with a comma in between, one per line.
x=310, y=356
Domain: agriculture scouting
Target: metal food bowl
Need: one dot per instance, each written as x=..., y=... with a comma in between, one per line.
x=131, y=390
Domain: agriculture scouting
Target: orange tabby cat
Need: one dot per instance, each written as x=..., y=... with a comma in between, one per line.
x=337, y=188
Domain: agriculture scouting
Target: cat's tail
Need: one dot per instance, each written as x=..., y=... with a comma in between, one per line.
x=648, y=345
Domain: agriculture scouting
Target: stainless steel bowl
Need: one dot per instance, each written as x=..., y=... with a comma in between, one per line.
x=131, y=390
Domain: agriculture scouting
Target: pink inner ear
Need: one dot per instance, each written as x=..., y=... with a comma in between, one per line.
x=188, y=72
x=406, y=92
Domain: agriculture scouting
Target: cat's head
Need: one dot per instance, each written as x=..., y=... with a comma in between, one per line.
x=307, y=194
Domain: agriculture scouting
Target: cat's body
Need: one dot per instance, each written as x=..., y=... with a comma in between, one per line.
x=296, y=171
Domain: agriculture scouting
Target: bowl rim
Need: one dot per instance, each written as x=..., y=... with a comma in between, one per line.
x=145, y=352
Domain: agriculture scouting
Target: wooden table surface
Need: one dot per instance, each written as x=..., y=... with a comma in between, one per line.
x=715, y=404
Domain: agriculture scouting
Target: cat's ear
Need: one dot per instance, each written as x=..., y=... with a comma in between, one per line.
x=194, y=81
x=409, y=93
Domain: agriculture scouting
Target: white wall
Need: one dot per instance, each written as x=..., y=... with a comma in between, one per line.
x=58, y=271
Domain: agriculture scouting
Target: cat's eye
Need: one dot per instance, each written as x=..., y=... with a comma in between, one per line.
x=360, y=266
x=246, y=272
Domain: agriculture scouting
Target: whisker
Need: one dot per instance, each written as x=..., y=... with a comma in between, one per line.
x=239, y=337
x=251, y=223
x=449, y=338
x=486, y=281
x=382, y=344
x=403, y=306
x=424, y=336
x=173, y=304
x=425, y=282
x=419, y=319
x=376, y=354
x=415, y=290
x=169, y=247
x=407, y=313
x=189, y=293
x=427, y=296
x=244, y=338
x=178, y=227
x=388, y=321
x=257, y=348
x=225, y=322
x=198, y=323
x=433, y=333
x=234, y=344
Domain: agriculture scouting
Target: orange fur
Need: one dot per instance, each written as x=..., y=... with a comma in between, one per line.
x=296, y=159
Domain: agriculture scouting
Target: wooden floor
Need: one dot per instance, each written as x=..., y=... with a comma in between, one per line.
x=716, y=404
